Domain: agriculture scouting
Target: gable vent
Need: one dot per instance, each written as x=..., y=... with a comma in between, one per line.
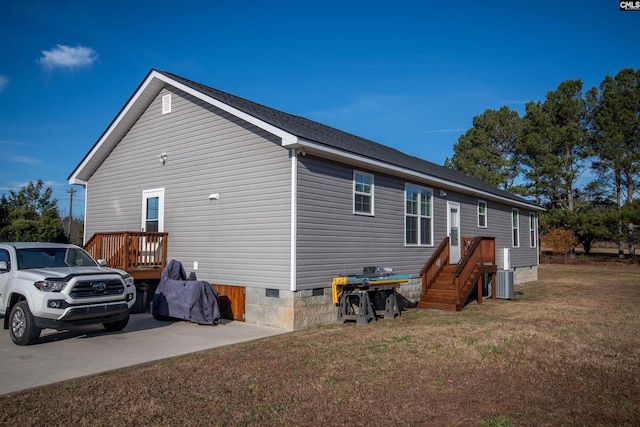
x=166, y=104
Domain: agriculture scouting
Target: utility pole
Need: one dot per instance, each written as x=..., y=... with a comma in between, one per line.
x=71, y=191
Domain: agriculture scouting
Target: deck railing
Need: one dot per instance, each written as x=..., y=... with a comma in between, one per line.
x=434, y=265
x=131, y=251
x=478, y=251
x=478, y=259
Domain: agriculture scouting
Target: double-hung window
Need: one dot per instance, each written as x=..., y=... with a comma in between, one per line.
x=362, y=193
x=482, y=214
x=515, y=226
x=418, y=215
x=532, y=230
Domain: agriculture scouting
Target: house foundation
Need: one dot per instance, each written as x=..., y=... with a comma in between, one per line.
x=307, y=308
x=525, y=274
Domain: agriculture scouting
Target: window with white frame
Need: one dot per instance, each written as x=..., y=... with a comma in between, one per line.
x=418, y=215
x=515, y=226
x=482, y=214
x=362, y=193
x=532, y=230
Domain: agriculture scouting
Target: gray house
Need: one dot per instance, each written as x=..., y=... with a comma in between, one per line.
x=251, y=198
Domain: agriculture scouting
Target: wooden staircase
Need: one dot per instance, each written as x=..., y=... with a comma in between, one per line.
x=448, y=286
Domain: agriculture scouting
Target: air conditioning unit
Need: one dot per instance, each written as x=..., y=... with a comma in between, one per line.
x=504, y=284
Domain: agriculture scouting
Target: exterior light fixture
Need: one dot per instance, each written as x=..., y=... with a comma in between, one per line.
x=163, y=157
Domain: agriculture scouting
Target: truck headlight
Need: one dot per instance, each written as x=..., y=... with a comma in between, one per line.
x=128, y=280
x=50, y=285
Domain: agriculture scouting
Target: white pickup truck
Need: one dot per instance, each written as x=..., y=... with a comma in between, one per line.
x=59, y=286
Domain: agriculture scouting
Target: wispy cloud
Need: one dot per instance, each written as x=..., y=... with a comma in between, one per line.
x=18, y=185
x=4, y=82
x=67, y=57
x=15, y=158
x=12, y=144
x=445, y=130
x=360, y=105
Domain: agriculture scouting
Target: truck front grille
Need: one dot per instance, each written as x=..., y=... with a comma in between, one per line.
x=96, y=288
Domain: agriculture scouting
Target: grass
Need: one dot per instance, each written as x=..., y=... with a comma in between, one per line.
x=565, y=352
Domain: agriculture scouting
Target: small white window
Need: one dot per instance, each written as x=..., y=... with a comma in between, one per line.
x=482, y=214
x=533, y=230
x=166, y=104
x=515, y=225
x=362, y=193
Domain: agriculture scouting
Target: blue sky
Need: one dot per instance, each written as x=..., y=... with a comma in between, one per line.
x=408, y=74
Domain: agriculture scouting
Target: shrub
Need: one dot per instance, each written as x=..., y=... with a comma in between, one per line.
x=559, y=241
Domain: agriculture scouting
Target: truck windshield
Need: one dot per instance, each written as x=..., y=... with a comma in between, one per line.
x=53, y=257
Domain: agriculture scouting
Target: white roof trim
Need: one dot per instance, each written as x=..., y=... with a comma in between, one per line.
x=147, y=90
x=154, y=82
x=287, y=138
x=73, y=179
x=330, y=152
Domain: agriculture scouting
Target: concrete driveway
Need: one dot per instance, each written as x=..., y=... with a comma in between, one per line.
x=64, y=355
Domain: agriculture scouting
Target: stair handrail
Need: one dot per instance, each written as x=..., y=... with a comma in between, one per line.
x=438, y=260
x=471, y=259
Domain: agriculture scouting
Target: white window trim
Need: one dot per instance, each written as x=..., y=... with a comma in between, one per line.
x=372, y=194
x=515, y=227
x=419, y=216
x=533, y=232
x=486, y=214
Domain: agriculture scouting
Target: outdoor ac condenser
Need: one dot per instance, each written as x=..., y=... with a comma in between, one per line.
x=504, y=284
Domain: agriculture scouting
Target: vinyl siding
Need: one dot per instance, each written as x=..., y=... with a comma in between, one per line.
x=331, y=240
x=498, y=226
x=242, y=239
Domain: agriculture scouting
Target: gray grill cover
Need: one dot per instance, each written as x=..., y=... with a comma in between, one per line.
x=179, y=298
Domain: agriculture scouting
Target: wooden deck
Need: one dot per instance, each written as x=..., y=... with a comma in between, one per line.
x=143, y=255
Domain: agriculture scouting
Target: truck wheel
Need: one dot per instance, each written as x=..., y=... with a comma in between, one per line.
x=22, y=326
x=116, y=326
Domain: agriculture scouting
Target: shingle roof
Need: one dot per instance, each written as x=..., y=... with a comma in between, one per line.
x=335, y=138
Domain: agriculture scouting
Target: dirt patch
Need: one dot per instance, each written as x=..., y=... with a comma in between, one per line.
x=566, y=351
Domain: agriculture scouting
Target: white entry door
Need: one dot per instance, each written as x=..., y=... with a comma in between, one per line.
x=153, y=210
x=152, y=221
x=453, y=230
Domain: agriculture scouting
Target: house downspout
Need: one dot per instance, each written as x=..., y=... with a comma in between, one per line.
x=294, y=219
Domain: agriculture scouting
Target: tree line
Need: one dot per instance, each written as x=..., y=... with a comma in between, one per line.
x=576, y=153
x=31, y=214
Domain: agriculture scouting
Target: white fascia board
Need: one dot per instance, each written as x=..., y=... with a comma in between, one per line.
x=334, y=153
x=106, y=136
x=287, y=138
x=77, y=181
x=155, y=77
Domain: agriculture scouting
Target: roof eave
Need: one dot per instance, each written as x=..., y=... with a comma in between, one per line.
x=321, y=150
x=120, y=125
x=139, y=101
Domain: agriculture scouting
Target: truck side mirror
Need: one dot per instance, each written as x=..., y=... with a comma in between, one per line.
x=102, y=262
x=4, y=267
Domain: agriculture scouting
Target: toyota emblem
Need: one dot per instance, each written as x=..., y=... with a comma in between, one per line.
x=99, y=286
